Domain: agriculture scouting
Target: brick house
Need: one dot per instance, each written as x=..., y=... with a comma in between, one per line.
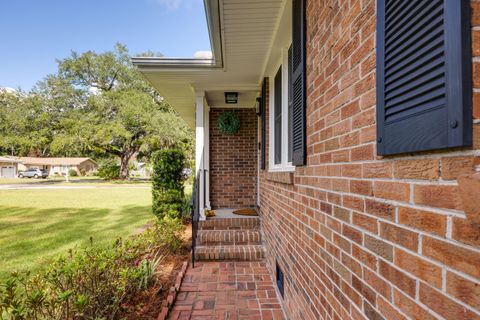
x=359, y=145
x=58, y=166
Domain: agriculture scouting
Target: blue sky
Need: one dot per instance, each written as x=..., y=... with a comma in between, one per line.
x=37, y=32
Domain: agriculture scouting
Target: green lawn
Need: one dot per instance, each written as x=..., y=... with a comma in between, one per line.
x=61, y=180
x=38, y=224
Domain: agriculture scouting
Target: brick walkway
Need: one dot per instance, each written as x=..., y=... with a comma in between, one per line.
x=227, y=290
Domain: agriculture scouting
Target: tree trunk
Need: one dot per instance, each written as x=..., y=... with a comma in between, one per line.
x=124, y=169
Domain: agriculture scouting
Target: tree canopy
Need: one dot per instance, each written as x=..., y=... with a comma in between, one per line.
x=96, y=105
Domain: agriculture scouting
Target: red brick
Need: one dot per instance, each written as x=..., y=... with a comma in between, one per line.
x=419, y=267
x=355, y=203
x=350, y=109
x=352, y=170
x=350, y=140
x=380, y=209
x=422, y=169
x=464, y=290
x=365, y=222
x=423, y=220
x=476, y=136
x=392, y=190
x=377, y=170
x=475, y=5
x=235, y=157
x=401, y=236
x=364, y=119
x=439, y=196
x=466, y=231
x=444, y=306
x=452, y=167
x=368, y=134
x=456, y=257
x=388, y=310
x=410, y=308
x=476, y=95
x=476, y=74
x=352, y=234
x=362, y=153
x=367, y=292
x=379, y=247
x=364, y=256
x=398, y=278
x=378, y=284
x=361, y=187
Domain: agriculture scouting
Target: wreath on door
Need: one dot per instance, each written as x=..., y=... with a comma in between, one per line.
x=229, y=122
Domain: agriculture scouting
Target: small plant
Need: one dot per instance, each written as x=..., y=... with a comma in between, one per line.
x=92, y=282
x=72, y=173
x=168, y=183
x=109, y=169
x=147, y=269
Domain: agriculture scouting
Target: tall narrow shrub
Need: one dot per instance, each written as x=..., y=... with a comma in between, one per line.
x=167, y=183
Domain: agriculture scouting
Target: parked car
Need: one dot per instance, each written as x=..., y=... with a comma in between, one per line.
x=34, y=173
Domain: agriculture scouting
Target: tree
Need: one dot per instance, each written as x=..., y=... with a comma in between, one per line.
x=97, y=105
x=123, y=115
x=26, y=127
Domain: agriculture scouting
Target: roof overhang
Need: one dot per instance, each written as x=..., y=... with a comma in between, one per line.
x=241, y=38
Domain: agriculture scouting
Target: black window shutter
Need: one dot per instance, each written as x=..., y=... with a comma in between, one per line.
x=423, y=75
x=263, y=108
x=298, y=89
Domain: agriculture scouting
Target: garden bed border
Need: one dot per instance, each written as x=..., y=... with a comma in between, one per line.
x=168, y=303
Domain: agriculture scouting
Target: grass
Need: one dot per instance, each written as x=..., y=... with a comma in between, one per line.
x=37, y=224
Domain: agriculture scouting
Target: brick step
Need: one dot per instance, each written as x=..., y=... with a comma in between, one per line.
x=237, y=253
x=230, y=224
x=228, y=237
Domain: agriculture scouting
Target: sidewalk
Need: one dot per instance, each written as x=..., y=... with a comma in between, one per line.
x=227, y=290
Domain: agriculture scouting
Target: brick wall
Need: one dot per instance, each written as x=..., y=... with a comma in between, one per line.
x=363, y=237
x=233, y=162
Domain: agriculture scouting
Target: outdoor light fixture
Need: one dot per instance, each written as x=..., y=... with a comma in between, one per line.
x=258, y=108
x=231, y=97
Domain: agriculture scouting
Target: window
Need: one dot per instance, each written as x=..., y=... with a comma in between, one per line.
x=277, y=117
x=281, y=117
x=280, y=279
x=423, y=75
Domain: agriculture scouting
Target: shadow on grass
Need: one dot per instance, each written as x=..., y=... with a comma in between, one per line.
x=30, y=236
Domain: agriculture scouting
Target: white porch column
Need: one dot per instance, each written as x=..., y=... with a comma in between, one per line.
x=200, y=150
x=206, y=155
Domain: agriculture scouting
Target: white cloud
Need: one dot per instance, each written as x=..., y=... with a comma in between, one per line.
x=175, y=4
x=203, y=55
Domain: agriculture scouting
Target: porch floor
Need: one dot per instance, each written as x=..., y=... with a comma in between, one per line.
x=227, y=290
x=228, y=213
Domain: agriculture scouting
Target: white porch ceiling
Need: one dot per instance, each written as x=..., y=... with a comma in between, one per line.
x=247, y=29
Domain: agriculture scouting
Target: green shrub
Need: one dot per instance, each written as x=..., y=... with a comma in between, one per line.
x=72, y=173
x=93, y=282
x=109, y=169
x=167, y=183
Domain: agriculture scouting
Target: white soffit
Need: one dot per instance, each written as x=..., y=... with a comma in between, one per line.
x=246, y=29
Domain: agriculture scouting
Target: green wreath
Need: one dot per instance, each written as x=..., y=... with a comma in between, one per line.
x=229, y=122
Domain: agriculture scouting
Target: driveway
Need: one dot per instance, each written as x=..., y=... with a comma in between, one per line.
x=67, y=186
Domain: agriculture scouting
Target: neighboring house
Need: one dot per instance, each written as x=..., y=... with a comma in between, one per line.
x=59, y=166
x=8, y=167
x=365, y=127
x=140, y=170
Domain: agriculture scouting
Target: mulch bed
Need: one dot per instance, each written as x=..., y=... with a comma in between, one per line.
x=148, y=305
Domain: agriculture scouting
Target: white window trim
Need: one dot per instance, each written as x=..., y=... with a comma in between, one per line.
x=284, y=166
